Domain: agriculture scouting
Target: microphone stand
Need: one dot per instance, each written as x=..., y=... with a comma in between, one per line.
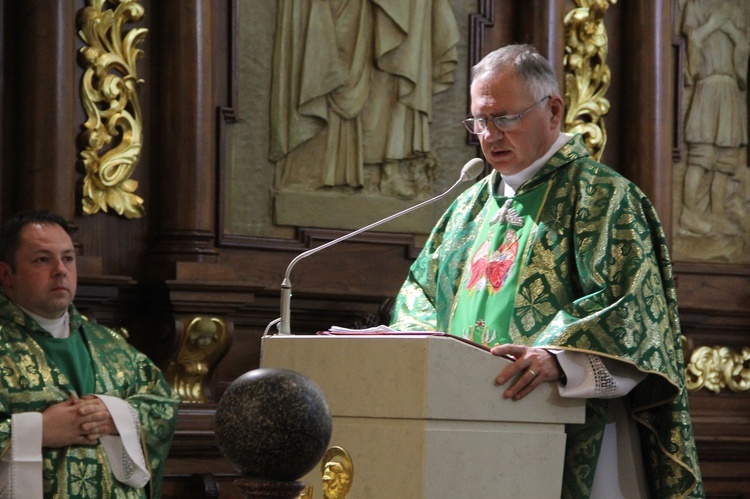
x=469, y=171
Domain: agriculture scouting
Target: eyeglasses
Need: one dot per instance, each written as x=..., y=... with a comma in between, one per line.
x=504, y=123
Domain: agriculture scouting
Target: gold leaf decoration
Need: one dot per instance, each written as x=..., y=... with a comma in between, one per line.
x=587, y=76
x=113, y=132
x=202, y=342
x=716, y=368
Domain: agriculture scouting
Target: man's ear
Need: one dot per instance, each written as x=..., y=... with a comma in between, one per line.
x=558, y=110
x=5, y=273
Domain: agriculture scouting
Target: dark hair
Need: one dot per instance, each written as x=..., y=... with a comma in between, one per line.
x=531, y=66
x=10, y=232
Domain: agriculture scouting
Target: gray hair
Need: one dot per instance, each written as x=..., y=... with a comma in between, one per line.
x=530, y=65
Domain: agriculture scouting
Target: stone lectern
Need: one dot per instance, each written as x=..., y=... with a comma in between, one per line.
x=420, y=416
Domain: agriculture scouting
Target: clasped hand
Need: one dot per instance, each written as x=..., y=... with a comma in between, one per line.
x=77, y=421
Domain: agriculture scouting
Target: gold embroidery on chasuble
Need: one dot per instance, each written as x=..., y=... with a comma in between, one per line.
x=30, y=382
x=485, y=297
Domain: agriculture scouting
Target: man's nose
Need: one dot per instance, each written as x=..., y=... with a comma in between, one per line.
x=60, y=267
x=492, y=132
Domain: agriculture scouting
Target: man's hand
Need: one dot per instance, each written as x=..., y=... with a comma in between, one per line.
x=61, y=425
x=536, y=366
x=76, y=422
x=98, y=420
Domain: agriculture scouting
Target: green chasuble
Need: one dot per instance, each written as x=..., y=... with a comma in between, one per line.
x=484, y=301
x=590, y=273
x=31, y=383
x=71, y=356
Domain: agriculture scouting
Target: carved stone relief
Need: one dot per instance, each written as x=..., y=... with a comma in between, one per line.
x=712, y=180
x=352, y=86
x=274, y=185
x=351, y=99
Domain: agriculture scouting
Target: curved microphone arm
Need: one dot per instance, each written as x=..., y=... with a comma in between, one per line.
x=468, y=172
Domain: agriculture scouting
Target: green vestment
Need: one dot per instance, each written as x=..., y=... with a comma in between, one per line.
x=593, y=276
x=30, y=383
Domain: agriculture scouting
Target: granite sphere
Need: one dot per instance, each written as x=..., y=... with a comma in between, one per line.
x=273, y=424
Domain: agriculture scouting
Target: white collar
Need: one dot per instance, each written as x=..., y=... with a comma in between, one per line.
x=512, y=182
x=58, y=328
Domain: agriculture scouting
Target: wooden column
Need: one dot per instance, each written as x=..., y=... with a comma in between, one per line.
x=647, y=108
x=42, y=123
x=541, y=24
x=186, y=146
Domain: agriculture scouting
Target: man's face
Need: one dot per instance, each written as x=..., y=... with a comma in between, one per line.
x=45, y=278
x=505, y=94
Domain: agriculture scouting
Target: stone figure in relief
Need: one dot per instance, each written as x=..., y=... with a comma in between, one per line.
x=715, y=183
x=352, y=89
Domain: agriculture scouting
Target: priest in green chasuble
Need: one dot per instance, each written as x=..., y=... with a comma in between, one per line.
x=82, y=413
x=561, y=263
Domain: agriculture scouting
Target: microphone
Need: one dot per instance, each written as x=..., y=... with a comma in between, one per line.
x=470, y=171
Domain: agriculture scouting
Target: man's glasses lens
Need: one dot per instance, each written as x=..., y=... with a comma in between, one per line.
x=504, y=123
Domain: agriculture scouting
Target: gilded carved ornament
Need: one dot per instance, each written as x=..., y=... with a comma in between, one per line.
x=202, y=343
x=113, y=133
x=716, y=368
x=336, y=473
x=587, y=76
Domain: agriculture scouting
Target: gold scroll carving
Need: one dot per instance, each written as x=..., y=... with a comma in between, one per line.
x=716, y=368
x=113, y=133
x=587, y=76
x=202, y=342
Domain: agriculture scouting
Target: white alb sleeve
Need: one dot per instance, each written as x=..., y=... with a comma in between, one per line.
x=592, y=376
x=21, y=468
x=124, y=451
